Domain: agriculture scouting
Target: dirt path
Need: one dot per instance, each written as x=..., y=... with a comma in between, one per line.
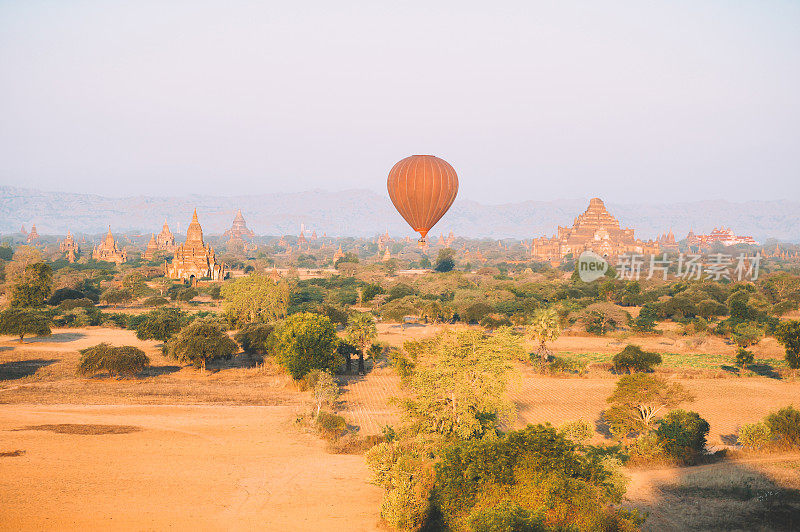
x=180, y=468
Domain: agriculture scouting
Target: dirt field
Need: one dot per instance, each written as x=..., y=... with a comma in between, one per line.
x=178, y=448
x=179, y=468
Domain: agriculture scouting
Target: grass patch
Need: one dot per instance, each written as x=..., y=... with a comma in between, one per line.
x=85, y=429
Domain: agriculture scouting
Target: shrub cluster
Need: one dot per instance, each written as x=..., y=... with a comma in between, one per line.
x=124, y=361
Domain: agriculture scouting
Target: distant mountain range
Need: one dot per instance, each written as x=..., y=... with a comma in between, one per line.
x=366, y=213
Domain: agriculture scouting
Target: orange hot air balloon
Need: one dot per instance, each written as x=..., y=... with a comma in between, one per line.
x=422, y=188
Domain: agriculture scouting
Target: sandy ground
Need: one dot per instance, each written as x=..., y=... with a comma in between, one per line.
x=220, y=450
x=183, y=468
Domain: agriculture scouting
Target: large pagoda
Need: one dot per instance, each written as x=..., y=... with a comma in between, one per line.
x=194, y=260
x=595, y=230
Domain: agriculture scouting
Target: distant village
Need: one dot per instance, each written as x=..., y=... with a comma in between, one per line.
x=196, y=259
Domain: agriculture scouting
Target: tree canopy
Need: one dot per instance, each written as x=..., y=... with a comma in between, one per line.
x=459, y=382
x=255, y=298
x=639, y=400
x=24, y=322
x=33, y=286
x=202, y=341
x=306, y=341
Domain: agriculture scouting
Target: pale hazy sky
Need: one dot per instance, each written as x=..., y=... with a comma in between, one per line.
x=633, y=101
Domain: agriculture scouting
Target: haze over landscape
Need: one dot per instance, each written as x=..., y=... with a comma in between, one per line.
x=409, y=266
x=633, y=102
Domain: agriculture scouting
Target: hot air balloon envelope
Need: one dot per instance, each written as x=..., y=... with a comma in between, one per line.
x=422, y=188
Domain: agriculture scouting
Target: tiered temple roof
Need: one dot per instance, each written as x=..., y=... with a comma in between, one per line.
x=108, y=251
x=194, y=260
x=594, y=230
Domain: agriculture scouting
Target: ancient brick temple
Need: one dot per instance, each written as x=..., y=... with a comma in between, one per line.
x=108, y=251
x=239, y=229
x=152, y=248
x=33, y=235
x=594, y=230
x=194, y=260
x=165, y=241
x=69, y=247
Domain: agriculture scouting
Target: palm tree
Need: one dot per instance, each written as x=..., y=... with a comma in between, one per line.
x=360, y=331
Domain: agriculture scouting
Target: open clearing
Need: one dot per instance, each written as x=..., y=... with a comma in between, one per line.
x=180, y=449
x=185, y=467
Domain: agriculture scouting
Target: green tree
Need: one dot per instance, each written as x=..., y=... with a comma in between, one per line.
x=116, y=296
x=200, y=342
x=682, y=435
x=533, y=479
x=360, y=331
x=633, y=358
x=135, y=282
x=784, y=425
x=33, y=287
x=324, y=388
x=24, y=322
x=744, y=357
x=545, y=327
x=746, y=334
x=306, y=341
x=444, y=260
x=637, y=402
x=256, y=298
x=788, y=334
x=160, y=324
x=646, y=320
x=459, y=382
x=255, y=338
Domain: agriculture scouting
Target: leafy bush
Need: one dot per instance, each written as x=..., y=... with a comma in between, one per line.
x=255, y=338
x=337, y=315
x=495, y=321
x=407, y=478
x=70, y=304
x=785, y=426
x=633, y=359
x=187, y=294
x=125, y=360
x=331, y=425
x=578, y=431
x=682, y=435
x=560, y=364
x=755, y=436
x=399, y=291
x=599, y=323
x=155, y=301
x=63, y=294
x=537, y=472
x=116, y=319
x=476, y=312
x=744, y=357
x=646, y=320
x=504, y=517
x=369, y=292
x=746, y=334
